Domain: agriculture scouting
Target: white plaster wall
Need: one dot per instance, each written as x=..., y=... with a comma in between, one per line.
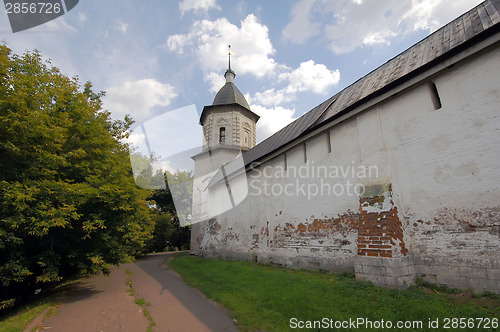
x=206, y=167
x=268, y=208
x=444, y=167
x=446, y=162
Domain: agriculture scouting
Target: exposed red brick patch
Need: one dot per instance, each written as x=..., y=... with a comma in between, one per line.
x=333, y=234
x=379, y=230
x=380, y=233
x=346, y=222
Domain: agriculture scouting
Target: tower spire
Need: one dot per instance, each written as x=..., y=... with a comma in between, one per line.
x=230, y=74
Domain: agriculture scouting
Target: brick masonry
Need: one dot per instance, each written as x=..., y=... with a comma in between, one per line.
x=380, y=232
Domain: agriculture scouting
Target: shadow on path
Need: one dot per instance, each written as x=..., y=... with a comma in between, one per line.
x=101, y=303
x=174, y=305
x=98, y=303
x=81, y=291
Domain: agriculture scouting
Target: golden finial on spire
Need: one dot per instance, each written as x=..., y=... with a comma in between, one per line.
x=229, y=74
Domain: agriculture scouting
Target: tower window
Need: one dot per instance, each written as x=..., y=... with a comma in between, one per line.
x=246, y=135
x=222, y=135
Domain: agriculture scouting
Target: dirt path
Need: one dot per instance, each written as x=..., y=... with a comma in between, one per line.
x=102, y=303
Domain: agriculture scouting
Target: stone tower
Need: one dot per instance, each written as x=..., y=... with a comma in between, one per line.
x=229, y=127
x=228, y=122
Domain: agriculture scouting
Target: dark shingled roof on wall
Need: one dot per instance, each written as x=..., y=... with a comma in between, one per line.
x=287, y=134
x=442, y=44
x=468, y=29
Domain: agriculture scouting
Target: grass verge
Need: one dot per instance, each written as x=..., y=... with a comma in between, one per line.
x=263, y=297
x=23, y=316
x=18, y=319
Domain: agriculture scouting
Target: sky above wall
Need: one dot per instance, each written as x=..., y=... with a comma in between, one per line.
x=156, y=56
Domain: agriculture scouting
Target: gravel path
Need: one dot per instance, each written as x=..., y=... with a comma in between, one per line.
x=102, y=303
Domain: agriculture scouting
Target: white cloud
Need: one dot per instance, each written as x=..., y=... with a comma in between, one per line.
x=368, y=23
x=216, y=81
x=136, y=139
x=300, y=28
x=379, y=37
x=309, y=76
x=177, y=43
x=250, y=45
x=271, y=97
x=82, y=17
x=166, y=165
x=137, y=98
x=271, y=120
x=121, y=26
x=357, y=23
x=252, y=52
x=198, y=6
x=431, y=14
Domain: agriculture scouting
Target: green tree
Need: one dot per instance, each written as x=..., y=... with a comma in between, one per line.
x=163, y=233
x=168, y=233
x=168, y=230
x=68, y=200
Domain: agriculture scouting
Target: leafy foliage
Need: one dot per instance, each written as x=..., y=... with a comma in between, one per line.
x=168, y=232
x=68, y=200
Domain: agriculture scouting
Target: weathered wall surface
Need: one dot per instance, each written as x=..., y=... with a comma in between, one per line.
x=430, y=200
x=448, y=177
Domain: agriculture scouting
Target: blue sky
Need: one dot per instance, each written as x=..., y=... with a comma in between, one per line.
x=155, y=56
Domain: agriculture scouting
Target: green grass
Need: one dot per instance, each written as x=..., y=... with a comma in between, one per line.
x=139, y=301
x=18, y=319
x=265, y=297
x=150, y=319
x=128, y=282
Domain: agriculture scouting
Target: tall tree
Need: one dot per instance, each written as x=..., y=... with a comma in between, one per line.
x=168, y=230
x=68, y=200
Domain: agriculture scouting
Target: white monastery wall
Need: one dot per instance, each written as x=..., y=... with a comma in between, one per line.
x=431, y=209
